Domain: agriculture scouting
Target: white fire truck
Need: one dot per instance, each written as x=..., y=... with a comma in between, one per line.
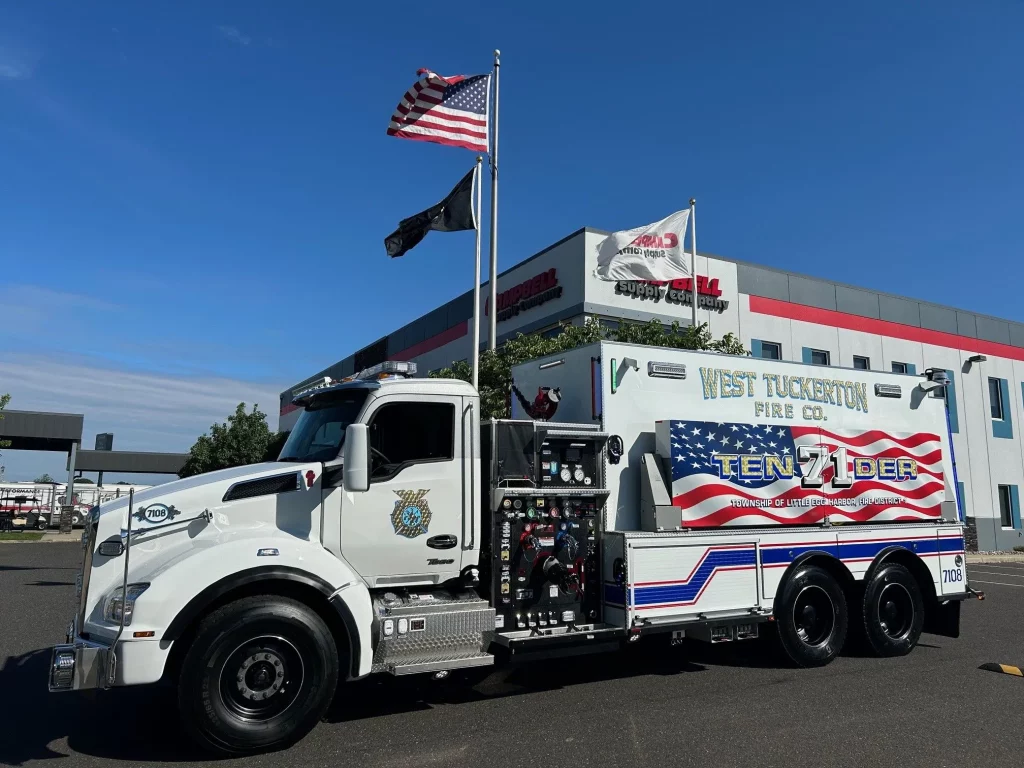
x=636, y=491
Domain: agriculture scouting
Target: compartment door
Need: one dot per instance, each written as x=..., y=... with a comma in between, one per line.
x=675, y=579
x=952, y=561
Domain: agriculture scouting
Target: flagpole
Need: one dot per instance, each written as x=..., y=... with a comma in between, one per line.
x=493, y=279
x=478, y=197
x=693, y=255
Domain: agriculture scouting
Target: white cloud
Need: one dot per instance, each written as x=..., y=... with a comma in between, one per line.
x=145, y=411
x=234, y=34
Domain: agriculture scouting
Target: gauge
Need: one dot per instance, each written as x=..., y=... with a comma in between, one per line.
x=577, y=474
x=531, y=513
x=553, y=512
x=518, y=503
x=565, y=474
x=507, y=503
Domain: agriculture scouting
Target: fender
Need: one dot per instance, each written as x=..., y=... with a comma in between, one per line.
x=198, y=604
x=181, y=589
x=802, y=558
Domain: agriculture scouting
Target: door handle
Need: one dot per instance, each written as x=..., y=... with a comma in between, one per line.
x=446, y=541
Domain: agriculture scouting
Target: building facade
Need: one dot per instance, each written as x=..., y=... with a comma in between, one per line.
x=776, y=314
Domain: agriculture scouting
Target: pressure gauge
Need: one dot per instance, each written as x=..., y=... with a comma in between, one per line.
x=565, y=474
x=518, y=503
x=577, y=474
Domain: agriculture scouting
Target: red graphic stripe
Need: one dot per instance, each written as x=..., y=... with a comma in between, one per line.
x=700, y=562
x=834, y=319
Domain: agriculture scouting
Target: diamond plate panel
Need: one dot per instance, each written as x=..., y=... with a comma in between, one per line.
x=453, y=628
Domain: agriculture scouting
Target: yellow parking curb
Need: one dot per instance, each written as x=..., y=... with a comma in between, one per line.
x=1006, y=669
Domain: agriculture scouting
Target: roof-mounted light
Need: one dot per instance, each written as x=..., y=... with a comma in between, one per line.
x=386, y=369
x=326, y=381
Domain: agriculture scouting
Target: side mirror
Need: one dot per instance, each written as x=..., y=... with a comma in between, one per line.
x=357, y=458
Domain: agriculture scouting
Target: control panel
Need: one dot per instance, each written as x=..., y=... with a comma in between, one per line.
x=546, y=569
x=544, y=506
x=567, y=462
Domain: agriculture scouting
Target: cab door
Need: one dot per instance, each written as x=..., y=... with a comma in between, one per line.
x=407, y=527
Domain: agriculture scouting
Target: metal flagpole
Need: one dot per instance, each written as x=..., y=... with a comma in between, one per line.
x=478, y=198
x=493, y=279
x=693, y=255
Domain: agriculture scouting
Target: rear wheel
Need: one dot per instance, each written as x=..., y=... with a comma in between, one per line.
x=259, y=675
x=811, y=616
x=42, y=523
x=893, y=611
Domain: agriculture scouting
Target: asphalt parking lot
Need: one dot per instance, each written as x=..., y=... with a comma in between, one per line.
x=651, y=705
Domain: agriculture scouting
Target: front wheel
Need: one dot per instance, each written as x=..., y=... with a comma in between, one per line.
x=893, y=611
x=259, y=675
x=812, y=617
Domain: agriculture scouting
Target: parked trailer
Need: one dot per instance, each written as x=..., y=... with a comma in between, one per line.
x=636, y=491
x=40, y=503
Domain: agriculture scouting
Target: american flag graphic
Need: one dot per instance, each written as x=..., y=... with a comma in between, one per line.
x=713, y=491
x=444, y=110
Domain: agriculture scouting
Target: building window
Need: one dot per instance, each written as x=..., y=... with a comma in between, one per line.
x=899, y=367
x=771, y=350
x=820, y=357
x=552, y=333
x=861, y=363
x=995, y=396
x=1005, y=506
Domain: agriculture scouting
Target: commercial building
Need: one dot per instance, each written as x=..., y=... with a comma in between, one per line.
x=775, y=314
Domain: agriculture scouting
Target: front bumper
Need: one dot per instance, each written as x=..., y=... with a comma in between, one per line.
x=80, y=664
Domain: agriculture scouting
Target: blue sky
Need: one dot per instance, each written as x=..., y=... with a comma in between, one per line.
x=194, y=194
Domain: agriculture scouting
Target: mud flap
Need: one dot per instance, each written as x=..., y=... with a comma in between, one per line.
x=943, y=619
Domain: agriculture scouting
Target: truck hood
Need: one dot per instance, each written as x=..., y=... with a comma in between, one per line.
x=206, y=489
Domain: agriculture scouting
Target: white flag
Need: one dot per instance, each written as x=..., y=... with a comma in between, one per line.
x=653, y=252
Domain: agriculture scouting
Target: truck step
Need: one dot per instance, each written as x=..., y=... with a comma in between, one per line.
x=416, y=666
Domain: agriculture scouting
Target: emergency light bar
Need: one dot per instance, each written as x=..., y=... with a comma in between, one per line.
x=326, y=381
x=385, y=369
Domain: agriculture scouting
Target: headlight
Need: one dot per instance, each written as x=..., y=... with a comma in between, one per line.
x=115, y=604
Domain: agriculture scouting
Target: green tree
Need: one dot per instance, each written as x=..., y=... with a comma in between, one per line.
x=496, y=367
x=84, y=481
x=242, y=439
x=45, y=478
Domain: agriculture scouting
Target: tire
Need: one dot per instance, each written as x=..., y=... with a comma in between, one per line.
x=893, y=611
x=811, y=617
x=42, y=523
x=288, y=663
x=76, y=520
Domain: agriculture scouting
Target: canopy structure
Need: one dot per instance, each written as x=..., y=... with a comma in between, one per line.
x=44, y=431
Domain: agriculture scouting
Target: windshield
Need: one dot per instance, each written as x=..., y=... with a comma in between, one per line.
x=320, y=430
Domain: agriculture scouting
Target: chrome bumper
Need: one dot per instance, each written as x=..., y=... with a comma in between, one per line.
x=79, y=664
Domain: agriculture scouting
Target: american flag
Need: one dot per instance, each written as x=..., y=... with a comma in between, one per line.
x=708, y=498
x=444, y=110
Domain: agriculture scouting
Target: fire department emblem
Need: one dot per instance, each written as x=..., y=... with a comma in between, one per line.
x=411, y=515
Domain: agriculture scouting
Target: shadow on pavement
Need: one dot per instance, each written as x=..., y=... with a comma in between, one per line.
x=135, y=725
x=141, y=724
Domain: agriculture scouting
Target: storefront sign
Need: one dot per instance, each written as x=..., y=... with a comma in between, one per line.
x=528, y=294
x=676, y=292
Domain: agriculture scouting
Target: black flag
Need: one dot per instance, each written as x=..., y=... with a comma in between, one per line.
x=453, y=214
